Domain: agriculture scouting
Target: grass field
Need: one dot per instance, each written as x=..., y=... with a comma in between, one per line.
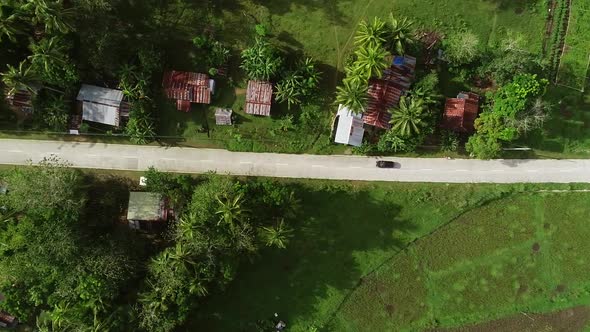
x=573, y=70
x=324, y=278
x=524, y=254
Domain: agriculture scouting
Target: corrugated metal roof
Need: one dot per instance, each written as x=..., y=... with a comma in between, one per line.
x=386, y=92
x=100, y=113
x=259, y=98
x=377, y=119
x=100, y=95
x=461, y=112
x=188, y=86
x=223, y=116
x=145, y=206
x=350, y=129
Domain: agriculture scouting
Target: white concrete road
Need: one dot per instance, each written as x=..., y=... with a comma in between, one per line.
x=190, y=160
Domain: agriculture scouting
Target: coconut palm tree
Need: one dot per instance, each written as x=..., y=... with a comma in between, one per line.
x=261, y=61
x=289, y=90
x=355, y=74
x=48, y=52
x=51, y=14
x=277, y=236
x=310, y=76
x=20, y=78
x=9, y=23
x=429, y=97
x=352, y=94
x=371, y=61
x=230, y=210
x=400, y=34
x=371, y=33
x=409, y=118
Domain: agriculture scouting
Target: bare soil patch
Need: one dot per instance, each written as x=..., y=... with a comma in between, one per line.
x=569, y=320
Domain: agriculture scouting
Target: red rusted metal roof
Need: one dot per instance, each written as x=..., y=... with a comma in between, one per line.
x=461, y=112
x=188, y=87
x=259, y=98
x=386, y=92
x=20, y=98
x=382, y=96
x=377, y=119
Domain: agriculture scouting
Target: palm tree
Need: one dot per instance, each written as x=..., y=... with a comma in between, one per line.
x=230, y=210
x=277, y=236
x=51, y=14
x=261, y=61
x=289, y=90
x=9, y=23
x=400, y=34
x=20, y=78
x=181, y=257
x=409, y=117
x=429, y=97
x=48, y=51
x=352, y=94
x=371, y=61
x=292, y=206
x=310, y=76
x=371, y=34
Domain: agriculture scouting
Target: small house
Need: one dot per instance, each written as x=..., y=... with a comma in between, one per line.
x=187, y=88
x=350, y=129
x=385, y=93
x=102, y=105
x=223, y=117
x=461, y=112
x=7, y=320
x=259, y=98
x=20, y=101
x=146, y=211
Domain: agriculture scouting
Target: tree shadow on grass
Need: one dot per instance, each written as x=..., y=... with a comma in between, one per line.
x=518, y=6
x=278, y=7
x=107, y=199
x=341, y=235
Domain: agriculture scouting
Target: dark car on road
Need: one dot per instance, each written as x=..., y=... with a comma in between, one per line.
x=385, y=164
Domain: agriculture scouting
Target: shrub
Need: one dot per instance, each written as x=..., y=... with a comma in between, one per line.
x=449, y=141
x=461, y=48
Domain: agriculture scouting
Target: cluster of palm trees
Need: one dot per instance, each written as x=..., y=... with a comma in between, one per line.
x=46, y=16
x=298, y=84
x=46, y=22
x=261, y=61
x=375, y=41
x=209, y=240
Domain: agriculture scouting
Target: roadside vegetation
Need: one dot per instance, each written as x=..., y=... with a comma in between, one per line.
x=68, y=262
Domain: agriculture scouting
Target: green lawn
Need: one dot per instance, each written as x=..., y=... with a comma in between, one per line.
x=573, y=70
x=523, y=254
x=349, y=230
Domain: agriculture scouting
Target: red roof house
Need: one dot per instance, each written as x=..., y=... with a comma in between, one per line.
x=20, y=101
x=386, y=92
x=461, y=112
x=259, y=98
x=187, y=88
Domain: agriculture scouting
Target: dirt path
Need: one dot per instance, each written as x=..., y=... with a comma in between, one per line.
x=549, y=26
x=569, y=320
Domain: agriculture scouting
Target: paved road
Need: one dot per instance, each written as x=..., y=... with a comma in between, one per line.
x=189, y=160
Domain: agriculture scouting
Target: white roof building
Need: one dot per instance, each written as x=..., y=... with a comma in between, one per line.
x=100, y=104
x=350, y=128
